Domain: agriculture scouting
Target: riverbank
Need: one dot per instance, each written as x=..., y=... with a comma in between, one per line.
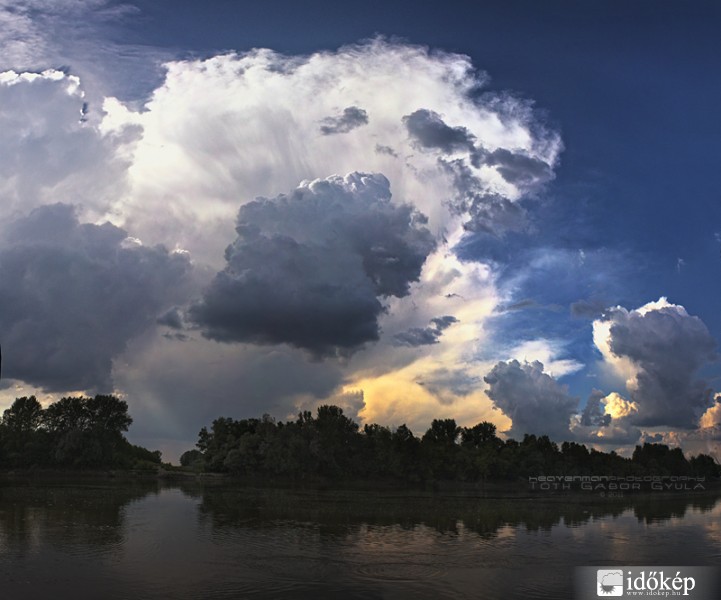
x=595, y=488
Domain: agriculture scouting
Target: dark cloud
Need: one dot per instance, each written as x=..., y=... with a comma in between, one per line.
x=518, y=169
x=417, y=336
x=381, y=149
x=180, y=337
x=587, y=309
x=172, y=319
x=447, y=385
x=618, y=433
x=197, y=381
x=594, y=414
x=532, y=399
x=485, y=212
x=491, y=213
x=73, y=295
x=598, y=428
x=520, y=305
x=424, y=336
x=352, y=118
x=310, y=269
x=444, y=322
x=528, y=304
x=429, y=131
x=668, y=346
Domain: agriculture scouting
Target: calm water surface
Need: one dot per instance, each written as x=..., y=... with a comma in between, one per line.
x=138, y=541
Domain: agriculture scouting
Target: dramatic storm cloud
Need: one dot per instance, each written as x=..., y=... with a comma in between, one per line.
x=658, y=349
x=338, y=266
x=309, y=268
x=532, y=399
x=73, y=295
x=469, y=165
x=238, y=126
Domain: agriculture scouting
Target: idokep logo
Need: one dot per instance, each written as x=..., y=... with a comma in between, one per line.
x=609, y=582
x=694, y=583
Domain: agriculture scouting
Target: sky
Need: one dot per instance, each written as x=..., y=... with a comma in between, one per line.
x=503, y=211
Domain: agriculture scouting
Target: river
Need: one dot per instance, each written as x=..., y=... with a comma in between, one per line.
x=147, y=540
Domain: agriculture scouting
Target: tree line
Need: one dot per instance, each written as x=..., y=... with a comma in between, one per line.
x=74, y=432
x=331, y=445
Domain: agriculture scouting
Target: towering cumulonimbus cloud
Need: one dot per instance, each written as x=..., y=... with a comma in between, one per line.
x=310, y=268
x=658, y=349
x=73, y=295
x=173, y=166
x=237, y=126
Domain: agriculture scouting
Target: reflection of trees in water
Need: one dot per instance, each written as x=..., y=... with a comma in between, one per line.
x=88, y=517
x=343, y=512
x=656, y=508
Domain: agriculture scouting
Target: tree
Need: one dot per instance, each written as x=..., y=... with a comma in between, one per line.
x=440, y=449
x=479, y=435
x=660, y=459
x=24, y=415
x=704, y=465
x=443, y=431
x=109, y=414
x=191, y=458
x=72, y=432
x=336, y=440
x=21, y=440
x=87, y=431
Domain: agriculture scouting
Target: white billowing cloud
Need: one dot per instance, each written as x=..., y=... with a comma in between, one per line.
x=221, y=131
x=48, y=151
x=617, y=407
x=712, y=417
x=658, y=350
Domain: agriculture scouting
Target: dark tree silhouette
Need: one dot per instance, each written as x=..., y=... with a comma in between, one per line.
x=330, y=445
x=75, y=432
